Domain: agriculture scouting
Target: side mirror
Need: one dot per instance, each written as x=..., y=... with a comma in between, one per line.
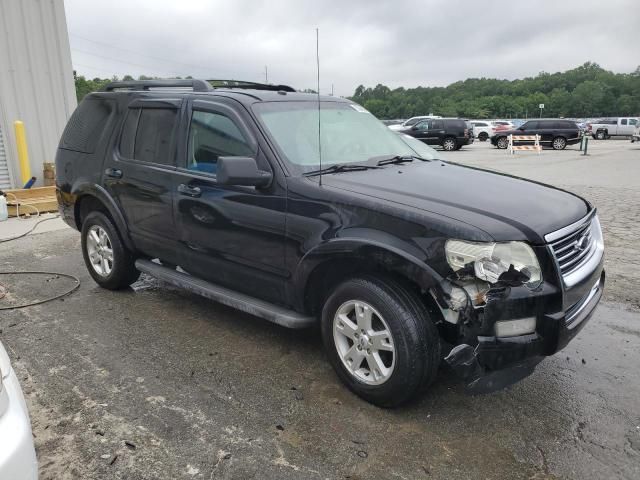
x=521, y=128
x=415, y=127
x=241, y=171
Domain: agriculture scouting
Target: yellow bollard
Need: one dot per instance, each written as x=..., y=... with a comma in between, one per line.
x=23, y=151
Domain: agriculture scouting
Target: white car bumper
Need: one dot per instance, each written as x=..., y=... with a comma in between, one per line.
x=17, y=454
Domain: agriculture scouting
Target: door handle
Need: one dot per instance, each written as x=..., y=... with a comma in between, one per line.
x=189, y=191
x=113, y=172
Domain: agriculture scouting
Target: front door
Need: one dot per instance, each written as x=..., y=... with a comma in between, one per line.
x=139, y=175
x=230, y=235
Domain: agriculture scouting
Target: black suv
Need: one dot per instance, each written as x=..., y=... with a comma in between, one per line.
x=553, y=133
x=449, y=133
x=401, y=258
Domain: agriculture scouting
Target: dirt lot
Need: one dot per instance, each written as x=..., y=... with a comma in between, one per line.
x=157, y=383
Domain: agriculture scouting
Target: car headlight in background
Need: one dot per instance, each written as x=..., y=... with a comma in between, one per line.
x=491, y=260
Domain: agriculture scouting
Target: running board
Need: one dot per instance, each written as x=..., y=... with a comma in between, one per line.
x=240, y=301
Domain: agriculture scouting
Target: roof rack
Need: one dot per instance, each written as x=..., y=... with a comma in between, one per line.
x=196, y=85
x=250, y=85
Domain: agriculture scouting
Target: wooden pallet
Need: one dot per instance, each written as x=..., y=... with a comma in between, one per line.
x=27, y=201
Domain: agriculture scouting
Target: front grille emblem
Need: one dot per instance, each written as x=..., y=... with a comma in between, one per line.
x=582, y=243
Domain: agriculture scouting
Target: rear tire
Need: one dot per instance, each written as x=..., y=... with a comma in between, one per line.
x=483, y=136
x=377, y=320
x=559, y=143
x=449, y=144
x=110, y=263
x=502, y=143
x=601, y=135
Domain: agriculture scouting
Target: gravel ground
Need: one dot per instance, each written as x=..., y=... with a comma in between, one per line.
x=155, y=383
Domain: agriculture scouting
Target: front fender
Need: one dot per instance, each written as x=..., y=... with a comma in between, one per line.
x=375, y=249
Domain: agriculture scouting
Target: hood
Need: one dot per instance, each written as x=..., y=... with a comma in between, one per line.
x=505, y=207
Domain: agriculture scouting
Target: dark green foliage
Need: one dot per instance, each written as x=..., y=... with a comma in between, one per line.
x=586, y=91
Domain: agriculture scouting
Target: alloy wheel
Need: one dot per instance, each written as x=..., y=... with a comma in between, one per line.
x=449, y=144
x=364, y=342
x=559, y=143
x=100, y=250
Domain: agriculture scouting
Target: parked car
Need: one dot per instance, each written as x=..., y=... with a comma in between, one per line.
x=612, y=127
x=411, y=122
x=402, y=261
x=449, y=133
x=17, y=453
x=554, y=133
x=502, y=125
x=483, y=129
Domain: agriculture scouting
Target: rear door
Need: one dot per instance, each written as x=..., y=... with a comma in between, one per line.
x=139, y=175
x=436, y=132
x=230, y=235
x=548, y=131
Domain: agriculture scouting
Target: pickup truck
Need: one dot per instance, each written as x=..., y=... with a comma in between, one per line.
x=636, y=134
x=609, y=127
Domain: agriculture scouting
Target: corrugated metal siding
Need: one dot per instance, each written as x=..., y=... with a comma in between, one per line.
x=36, y=78
x=5, y=179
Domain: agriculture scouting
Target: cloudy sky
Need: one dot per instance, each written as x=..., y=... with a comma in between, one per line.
x=397, y=43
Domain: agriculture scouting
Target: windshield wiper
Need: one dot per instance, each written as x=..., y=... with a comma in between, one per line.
x=340, y=167
x=400, y=159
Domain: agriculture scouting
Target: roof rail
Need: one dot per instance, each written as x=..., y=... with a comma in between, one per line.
x=197, y=85
x=250, y=85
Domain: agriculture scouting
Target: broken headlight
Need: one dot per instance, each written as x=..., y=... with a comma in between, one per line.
x=513, y=262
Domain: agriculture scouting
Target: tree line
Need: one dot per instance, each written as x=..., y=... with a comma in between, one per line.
x=585, y=91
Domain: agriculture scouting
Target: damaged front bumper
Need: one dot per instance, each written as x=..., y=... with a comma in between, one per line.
x=496, y=362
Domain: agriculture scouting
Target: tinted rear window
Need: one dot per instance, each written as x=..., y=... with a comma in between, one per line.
x=455, y=123
x=155, y=135
x=87, y=125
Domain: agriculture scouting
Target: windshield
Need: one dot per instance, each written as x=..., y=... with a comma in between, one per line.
x=423, y=150
x=349, y=133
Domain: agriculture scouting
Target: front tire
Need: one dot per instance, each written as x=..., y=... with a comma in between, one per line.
x=502, y=143
x=559, y=143
x=108, y=260
x=380, y=340
x=483, y=136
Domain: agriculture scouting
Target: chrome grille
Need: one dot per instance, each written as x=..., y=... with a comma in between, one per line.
x=571, y=249
x=578, y=249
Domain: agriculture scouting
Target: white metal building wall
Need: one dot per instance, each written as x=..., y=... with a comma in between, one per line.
x=36, y=79
x=5, y=179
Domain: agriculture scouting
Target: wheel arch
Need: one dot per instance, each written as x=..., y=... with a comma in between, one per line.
x=334, y=261
x=91, y=197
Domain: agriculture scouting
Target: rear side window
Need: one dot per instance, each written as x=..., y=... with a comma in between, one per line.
x=455, y=124
x=437, y=124
x=148, y=135
x=623, y=121
x=128, y=138
x=154, y=137
x=87, y=125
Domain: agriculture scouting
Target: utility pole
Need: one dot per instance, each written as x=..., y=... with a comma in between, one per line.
x=332, y=89
x=266, y=75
